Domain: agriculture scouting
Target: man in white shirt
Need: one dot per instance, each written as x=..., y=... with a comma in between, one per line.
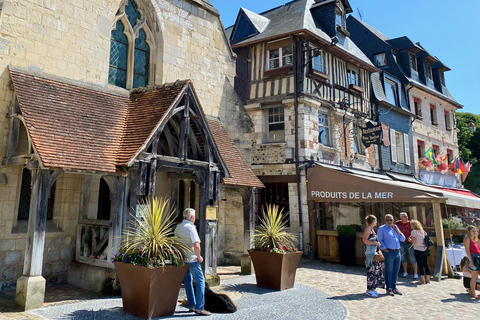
x=187, y=230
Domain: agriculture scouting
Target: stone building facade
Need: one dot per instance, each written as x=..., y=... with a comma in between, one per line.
x=70, y=42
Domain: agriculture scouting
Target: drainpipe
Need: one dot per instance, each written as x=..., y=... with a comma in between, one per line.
x=297, y=156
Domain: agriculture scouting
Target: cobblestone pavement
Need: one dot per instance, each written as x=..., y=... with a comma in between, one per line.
x=446, y=299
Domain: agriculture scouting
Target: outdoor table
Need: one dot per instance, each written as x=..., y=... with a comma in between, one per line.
x=455, y=255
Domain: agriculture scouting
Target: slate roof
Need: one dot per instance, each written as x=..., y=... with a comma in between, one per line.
x=293, y=17
x=82, y=127
x=240, y=173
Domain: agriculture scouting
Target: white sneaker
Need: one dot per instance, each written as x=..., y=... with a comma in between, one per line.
x=371, y=294
x=405, y=274
x=375, y=292
x=415, y=276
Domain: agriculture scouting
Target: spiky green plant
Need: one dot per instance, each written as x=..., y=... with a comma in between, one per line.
x=272, y=234
x=148, y=240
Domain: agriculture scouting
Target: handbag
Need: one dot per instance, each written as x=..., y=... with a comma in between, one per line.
x=379, y=256
x=428, y=242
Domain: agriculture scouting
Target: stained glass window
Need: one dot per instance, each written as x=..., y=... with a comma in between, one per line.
x=131, y=10
x=141, y=60
x=117, y=73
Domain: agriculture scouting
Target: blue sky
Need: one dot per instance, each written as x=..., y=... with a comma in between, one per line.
x=448, y=29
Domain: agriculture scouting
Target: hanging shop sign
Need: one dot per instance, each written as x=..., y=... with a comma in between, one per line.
x=371, y=134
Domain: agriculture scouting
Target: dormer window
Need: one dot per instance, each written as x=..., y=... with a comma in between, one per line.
x=380, y=59
x=428, y=70
x=339, y=21
x=391, y=91
x=442, y=78
x=413, y=61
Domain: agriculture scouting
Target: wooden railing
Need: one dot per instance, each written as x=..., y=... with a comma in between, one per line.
x=327, y=244
x=94, y=242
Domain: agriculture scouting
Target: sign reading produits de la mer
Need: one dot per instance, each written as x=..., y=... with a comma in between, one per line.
x=329, y=195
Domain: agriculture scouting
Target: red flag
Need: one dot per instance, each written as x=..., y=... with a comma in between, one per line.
x=459, y=166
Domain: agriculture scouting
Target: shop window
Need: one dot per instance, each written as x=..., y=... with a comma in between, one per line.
x=276, y=194
x=26, y=193
x=324, y=129
x=104, y=202
x=380, y=59
x=130, y=48
x=275, y=124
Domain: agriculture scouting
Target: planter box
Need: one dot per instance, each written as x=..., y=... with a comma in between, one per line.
x=275, y=270
x=346, y=250
x=150, y=293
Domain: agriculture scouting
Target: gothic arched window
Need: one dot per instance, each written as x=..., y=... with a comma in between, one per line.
x=130, y=47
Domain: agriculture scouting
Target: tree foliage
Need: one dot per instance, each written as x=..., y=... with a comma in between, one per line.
x=469, y=147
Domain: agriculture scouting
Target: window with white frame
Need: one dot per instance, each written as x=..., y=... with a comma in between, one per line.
x=352, y=77
x=324, y=129
x=413, y=61
x=339, y=21
x=400, y=147
x=130, y=48
x=276, y=124
x=317, y=62
x=391, y=91
x=380, y=59
x=280, y=57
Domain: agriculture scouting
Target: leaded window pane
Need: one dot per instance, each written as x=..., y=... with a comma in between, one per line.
x=117, y=73
x=141, y=61
x=132, y=13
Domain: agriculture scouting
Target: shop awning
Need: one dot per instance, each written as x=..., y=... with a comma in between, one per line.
x=329, y=184
x=460, y=198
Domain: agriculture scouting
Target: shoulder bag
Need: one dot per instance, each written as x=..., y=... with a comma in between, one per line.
x=379, y=256
x=428, y=242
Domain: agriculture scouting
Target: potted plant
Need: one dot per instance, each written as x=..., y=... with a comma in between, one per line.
x=346, y=244
x=150, y=264
x=274, y=257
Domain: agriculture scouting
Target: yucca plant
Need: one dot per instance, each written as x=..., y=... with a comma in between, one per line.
x=148, y=240
x=272, y=234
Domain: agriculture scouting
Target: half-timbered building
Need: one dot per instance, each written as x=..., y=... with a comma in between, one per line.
x=95, y=118
x=306, y=86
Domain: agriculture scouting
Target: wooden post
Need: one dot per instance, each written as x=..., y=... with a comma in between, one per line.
x=30, y=292
x=441, y=254
x=203, y=177
x=248, y=202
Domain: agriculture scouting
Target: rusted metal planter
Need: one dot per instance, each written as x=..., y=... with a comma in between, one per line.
x=149, y=293
x=274, y=270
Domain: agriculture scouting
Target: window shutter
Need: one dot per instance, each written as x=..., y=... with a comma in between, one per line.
x=393, y=145
x=407, y=149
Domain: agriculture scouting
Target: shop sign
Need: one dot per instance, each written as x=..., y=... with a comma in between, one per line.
x=371, y=134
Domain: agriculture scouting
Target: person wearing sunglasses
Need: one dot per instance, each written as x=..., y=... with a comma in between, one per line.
x=390, y=236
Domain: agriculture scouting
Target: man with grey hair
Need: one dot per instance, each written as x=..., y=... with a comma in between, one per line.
x=187, y=230
x=406, y=247
x=390, y=237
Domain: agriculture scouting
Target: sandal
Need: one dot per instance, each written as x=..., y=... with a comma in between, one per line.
x=473, y=295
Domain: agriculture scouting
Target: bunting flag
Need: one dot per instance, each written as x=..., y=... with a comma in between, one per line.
x=430, y=155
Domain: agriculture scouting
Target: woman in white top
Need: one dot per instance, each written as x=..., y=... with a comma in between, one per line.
x=421, y=255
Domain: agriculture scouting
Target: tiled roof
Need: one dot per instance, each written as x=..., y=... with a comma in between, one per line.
x=71, y=127
x=239, y=172
x=145, y=111
x=75, y=126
